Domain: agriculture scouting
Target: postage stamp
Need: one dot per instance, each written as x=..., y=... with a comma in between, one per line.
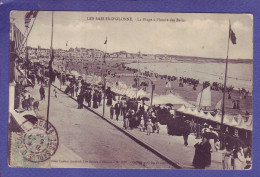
x=36, y=144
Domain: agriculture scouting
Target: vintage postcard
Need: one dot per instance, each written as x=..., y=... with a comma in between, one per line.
x=130, y=90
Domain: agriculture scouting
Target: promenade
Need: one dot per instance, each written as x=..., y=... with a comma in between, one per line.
x=87, y=141
x=171, y=147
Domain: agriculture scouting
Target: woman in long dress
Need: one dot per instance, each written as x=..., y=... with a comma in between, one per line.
x=202, y=156
x=95, y=99
x=126, y=120
x=239, y=159
x=227, y=156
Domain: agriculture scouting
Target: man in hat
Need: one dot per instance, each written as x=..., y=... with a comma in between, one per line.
x=117, y=110
x=111, y=111
x=42, y=92
x=205, y=129
x=88, y=98
x=95, y=98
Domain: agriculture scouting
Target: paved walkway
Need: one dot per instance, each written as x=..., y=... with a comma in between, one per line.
x=87, y=141
x=170, y=146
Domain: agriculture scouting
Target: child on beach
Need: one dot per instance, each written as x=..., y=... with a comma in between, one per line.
x=141, y=125
x=55, y=92
x=149, y=125
x=157, y=126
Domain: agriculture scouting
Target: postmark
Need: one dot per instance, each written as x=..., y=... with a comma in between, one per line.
x=36, y=143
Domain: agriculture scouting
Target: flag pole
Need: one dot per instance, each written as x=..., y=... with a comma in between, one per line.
x=28, y=33
x=201, y=97
x=137, y=83
x=224, y=92
x=50, y=74
x=104, y=77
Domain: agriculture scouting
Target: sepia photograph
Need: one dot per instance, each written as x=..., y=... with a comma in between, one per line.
x=130, y=90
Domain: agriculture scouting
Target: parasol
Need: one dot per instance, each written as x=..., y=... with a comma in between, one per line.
x=210, y=135
x=145, y=98
x=169, y=104
x=30, y=118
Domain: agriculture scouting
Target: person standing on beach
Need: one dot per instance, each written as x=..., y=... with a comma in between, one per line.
x=202, y=156
x=88, y=98
x=99, y=98
x=121, y=107
x=126, y=120
x=55, y=92
x=117, y=110
x=95, y=98
x=80, y=100
x=149, y=126
x=72, y=90
x=76, y=90
x=111, y=112
x=239, y=158
x=226, y=159
x=42, y=93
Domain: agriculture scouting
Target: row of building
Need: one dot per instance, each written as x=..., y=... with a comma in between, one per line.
x=81, y=54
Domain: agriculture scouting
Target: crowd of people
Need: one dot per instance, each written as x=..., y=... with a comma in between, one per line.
x=145, y=118
x=191, y=82
x=233, y=158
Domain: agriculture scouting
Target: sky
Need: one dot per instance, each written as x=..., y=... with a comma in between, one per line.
x=196, y=34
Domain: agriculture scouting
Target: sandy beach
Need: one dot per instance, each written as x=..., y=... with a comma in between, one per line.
x=187, y=93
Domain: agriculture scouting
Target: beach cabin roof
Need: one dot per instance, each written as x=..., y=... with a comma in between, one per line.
x=243, y=125
x=189, y=111
x=195, y=112
x=201, y=114
x=117, y=90
x=123, y=91
x=249, y=121
x=233, y=122
x=182, y=109
x=209, y=116
x=142, y=93
x=217, y=118
x=170, y=98
x=113, y=89
x=240, y=119
x=226, y=120
x=130, y=93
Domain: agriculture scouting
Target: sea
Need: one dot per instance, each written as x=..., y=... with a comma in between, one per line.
x=239, y=75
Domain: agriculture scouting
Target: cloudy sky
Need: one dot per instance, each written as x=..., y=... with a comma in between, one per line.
x=203, y=35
